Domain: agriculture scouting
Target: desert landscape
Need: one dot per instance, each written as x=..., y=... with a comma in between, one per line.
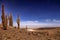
x=8, y=31
x=25, y=34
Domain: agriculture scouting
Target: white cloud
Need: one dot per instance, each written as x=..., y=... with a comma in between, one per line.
x=29, y=23
x=36, y=21
x=36, y=24
x=54, y=20
x=32, y=24
x=48, y=20
x=48, y=23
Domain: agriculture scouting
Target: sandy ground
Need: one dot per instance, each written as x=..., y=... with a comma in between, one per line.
x=22, y=34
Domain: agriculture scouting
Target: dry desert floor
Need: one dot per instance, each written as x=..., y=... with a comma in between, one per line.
x=23, y=34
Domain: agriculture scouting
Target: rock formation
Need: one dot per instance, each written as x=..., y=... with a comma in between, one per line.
x=6, y=21
x=10, y=20
x=18, y=21
x=3, y=18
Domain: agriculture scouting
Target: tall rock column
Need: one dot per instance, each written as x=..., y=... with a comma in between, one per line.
x=3, y=18
x=6, y=21
x=10, y=20
x=18, y=22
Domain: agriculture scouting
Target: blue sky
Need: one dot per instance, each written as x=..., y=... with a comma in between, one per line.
x=33, y=11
